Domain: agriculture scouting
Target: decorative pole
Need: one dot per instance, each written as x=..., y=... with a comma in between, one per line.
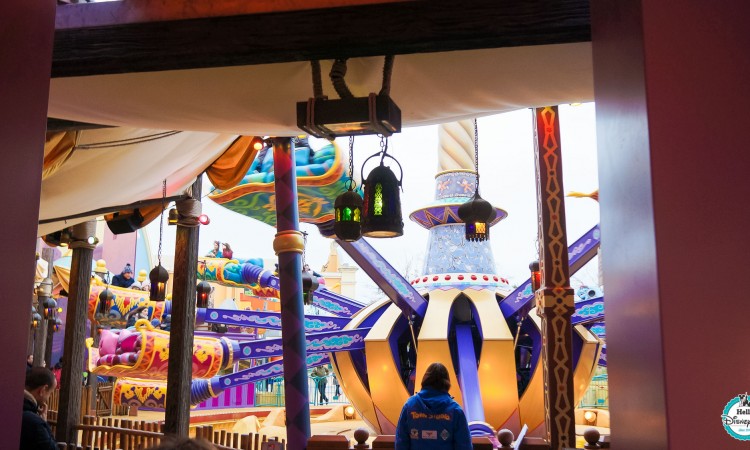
x=289, y=246
x=179, y=373
x=48, y=255
x=554, y=299
x=69, y=411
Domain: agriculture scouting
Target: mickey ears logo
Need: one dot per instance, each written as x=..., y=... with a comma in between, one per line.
x=736, y=417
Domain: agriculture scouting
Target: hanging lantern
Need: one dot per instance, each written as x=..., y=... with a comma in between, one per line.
x=158, y=277
x=348, y=207
x=57, y=325
x=477, y=214
x=536, y=276
x=105, y=302
x=381, y=214
x=309, y=285
x=50, y=307
x=202, y=293
x=36, y=319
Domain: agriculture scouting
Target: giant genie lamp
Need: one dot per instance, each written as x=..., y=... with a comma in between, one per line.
x=458, y=312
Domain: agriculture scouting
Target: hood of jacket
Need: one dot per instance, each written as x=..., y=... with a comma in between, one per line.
x=433, y=400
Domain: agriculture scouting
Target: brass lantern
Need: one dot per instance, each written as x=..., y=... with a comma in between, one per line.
x=158, y=277
x=381, y=215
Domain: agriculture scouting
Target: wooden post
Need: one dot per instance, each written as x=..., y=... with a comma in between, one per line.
x=554, y=299
x=179, y=376
x=40, y=335
x=75, y=331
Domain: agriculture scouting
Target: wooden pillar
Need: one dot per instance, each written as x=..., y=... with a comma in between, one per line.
x=179, y=376
x=289, y=246
x=26, y=58
x=75, y=330
x=672, y=91
x=554, y=299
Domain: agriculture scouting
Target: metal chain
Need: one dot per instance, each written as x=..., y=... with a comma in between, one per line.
x=351, y=157
x=383, y=144
x=476, y=152
x=161, y=218
x=304, y=249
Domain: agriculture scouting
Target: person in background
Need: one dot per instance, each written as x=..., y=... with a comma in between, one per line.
x=35, y=432
x=29, y=363
x=57, y=371
x=216, y=251
x=226, y=251
x=431, y=419
x=320, y=375
x=139, y=313
x=125, y=278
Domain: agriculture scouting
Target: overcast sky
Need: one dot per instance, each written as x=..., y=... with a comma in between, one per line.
x=506, y=166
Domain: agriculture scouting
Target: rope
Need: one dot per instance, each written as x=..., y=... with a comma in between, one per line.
x=188, y=211
x=161, y=218
x=476, y=152
x=387, y=71
x=338, y=72
x=129, y=141
x=317, y=79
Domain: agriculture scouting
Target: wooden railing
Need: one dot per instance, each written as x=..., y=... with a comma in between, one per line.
x=104, y=405
x=122, y=434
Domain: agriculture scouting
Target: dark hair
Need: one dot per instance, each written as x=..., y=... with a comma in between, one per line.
x=436, y=377
x=184, y=444
x=39, y=376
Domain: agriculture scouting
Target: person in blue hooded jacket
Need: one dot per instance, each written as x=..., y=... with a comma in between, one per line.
x=431, y=419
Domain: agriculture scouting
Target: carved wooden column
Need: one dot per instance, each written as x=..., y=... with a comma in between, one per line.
x=554, y=299
x=179, y=376
x=75, y=330
x=289, y=246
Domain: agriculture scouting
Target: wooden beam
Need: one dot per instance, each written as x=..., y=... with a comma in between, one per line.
x=71, y=125
x=368, y=30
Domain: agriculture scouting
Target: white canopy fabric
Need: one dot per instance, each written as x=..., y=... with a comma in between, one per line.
x=122, y=174
x=430, y=88
x=215, y=105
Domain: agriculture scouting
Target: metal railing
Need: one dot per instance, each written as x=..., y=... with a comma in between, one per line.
x=271, y=392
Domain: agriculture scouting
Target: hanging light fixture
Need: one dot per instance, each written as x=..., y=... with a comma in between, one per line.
x=477, y=213
x=56, y=326
x=348, y=206
x=105, y=296
x=159, y=275
x=348, y=116
x=203, y=290
x=536, y=276
x=381, y=213
x=36, y=318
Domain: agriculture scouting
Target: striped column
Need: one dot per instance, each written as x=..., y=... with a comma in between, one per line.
x=288, y=246
x=554, y=299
